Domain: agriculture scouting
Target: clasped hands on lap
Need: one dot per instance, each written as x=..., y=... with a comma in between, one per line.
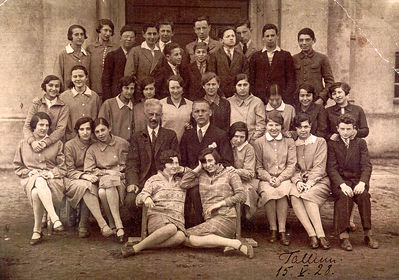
x=358, y=189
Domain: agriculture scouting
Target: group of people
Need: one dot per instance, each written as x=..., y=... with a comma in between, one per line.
x=190, y=134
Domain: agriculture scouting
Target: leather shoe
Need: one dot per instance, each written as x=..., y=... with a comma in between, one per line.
x=273, y=236
x=324, y=243
x=346, y=245
x=370, y=242
x=59, y=228
x=314, y=243
x=127, y=251
x=120, y=238
x=284, y=239
x=36, y=240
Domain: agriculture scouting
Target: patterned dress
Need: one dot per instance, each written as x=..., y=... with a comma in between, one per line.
x=223, y=185
x=75, y=152
x=50, y=159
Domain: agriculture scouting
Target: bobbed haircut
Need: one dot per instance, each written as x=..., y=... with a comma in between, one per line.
x=268, y=26
x=224, y=29
x=176, y=78
x=84, y=120
x=200, y=45
x=246, y=23
x=345, y=87
x=99, y=121
x=37, y=117
x=49, y=78
x=201, y=18
x=147, y=80
x=105, y=21
x=127, y=27
x=72, y=27
x=306, y=31
x=166, y=157
x=275, y=90
x=240, y=77
x=126, y=80
x=276, y=117
x=238, y=126
x=167, y=50
x=300, y=118
x=346, y=119
x=308, y=87
x=208, y=151
x=207, y=76
x=150, y=25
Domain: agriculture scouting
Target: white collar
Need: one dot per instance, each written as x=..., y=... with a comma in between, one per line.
x=280, y=108
x=150, y=130
x=270, y=138
x=162, y=44
x=204, y=128
x=87, y=92
x=228, y=50
x=70, y=50
x=49, y=102
x=239, y=148
x=310, y=140
x=273, y=51
x=121, y=104
x=206, y=41
x=144, y=45
x=174, y=67
x=124, y=51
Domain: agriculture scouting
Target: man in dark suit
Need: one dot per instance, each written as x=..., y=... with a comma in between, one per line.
x=115, y=62
x=193, y=141
x=245, y=45
x=202, y=27
x=145, y=148
x=349, y=169
x=168, y=66
x=195, y=70
x=227, y=62
x=272, y=65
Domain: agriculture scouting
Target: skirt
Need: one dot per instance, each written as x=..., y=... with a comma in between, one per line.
x=275, y=193
x=318, y=194
x=156, y=221
x=218, y=225
x=252, y=197
x=76, y=188
x=56, y=187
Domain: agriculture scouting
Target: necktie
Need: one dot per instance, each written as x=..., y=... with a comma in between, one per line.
x=200, y=136
x=229, y=57
x=154, y=138
x=244, y=48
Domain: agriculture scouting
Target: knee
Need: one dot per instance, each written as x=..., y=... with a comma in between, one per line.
x=101, y=193
x=180, y=237
x=40, y=182
x=192, y=241
x=35, y=195
x=364, y=196
x=171, y=229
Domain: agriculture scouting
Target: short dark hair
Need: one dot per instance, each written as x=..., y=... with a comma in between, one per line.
x=49, y=78
x=105, y=21
x=39, y=116
x=176, y=78
x=276, y=117
x=150, y=25
x=306, y=31
x=147, y=80
x=224, y=29
x=238, y=126
x=308, y=87
x=80, y=67
x=207, y=76
x=208, y=151
x=166, y=22
x=202, y=100
x=300, y=118
x=99, y=121
x=166, y=157
x=84, y=120
x=275, y=90
x=127, y=27
x=126, y=80
x=200, y=45
x=244, y=22
x=240, y=77
x=345, y=87
x=201, y=18
x=167, y=50
x=268, y=26
x=346, y=119
x=72, y=27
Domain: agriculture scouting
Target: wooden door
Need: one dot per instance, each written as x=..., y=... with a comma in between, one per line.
x=181, y=13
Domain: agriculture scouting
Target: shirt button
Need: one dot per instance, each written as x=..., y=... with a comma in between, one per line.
x=128, y=128
x=114, y=156
x=83, y=104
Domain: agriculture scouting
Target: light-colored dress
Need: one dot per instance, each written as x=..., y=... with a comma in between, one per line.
x=275, y=157
x=75, y=151
x=223, y=185
x=311, y=169
x=244, y=162
x=108, y=163
x=168, y=197
x=50, y=159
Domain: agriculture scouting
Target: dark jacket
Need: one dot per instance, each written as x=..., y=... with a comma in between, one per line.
x=114, y=67
x=194, y=86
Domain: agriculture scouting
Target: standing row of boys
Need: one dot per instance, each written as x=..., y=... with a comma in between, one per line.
x=258, y=149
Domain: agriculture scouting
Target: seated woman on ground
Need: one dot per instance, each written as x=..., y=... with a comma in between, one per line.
x=41, y=175
x=219, y=189
x=244, y=162
x=275, y=165
x=106, y=159
x=312, y=186
x=80, y=188
x=164, y=196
